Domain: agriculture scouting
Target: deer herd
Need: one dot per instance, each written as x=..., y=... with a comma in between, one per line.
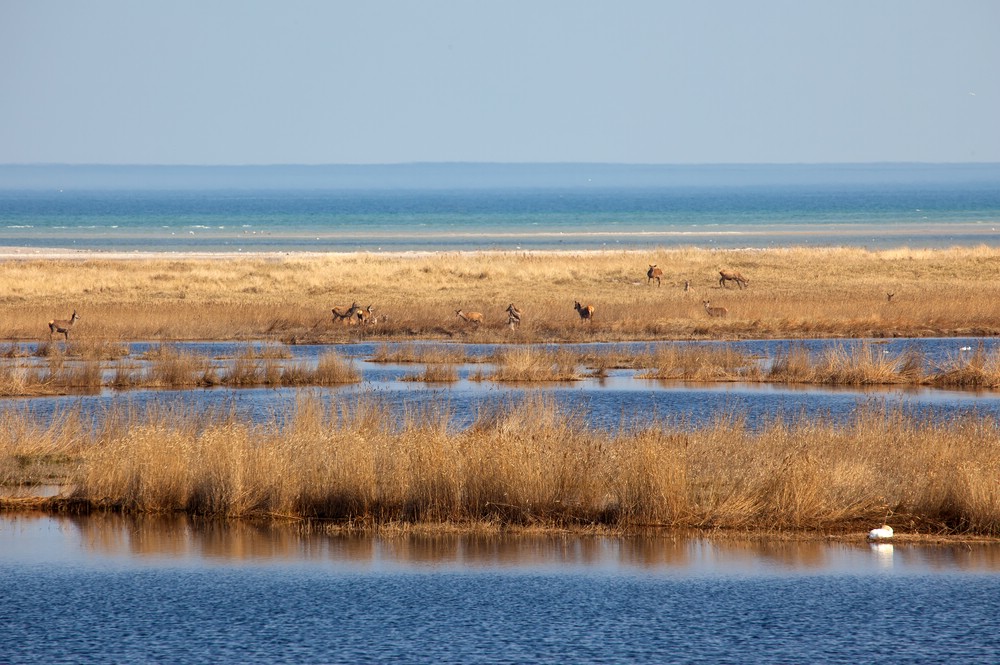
x=355, y=315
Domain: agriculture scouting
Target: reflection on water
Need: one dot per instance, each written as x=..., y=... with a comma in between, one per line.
x=196, y=541
x=107, y=588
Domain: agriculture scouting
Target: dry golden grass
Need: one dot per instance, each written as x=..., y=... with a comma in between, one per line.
x=793, y=293
x=525, y=463
x=522, y=363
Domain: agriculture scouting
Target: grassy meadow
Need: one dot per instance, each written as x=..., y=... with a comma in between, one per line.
x=792, y=293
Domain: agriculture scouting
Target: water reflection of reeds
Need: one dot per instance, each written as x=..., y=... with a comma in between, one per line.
x=182, y=537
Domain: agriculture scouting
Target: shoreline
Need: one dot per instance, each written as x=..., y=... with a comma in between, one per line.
x=9, y=253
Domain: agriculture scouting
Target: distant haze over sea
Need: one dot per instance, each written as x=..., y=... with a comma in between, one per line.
x=482, y=176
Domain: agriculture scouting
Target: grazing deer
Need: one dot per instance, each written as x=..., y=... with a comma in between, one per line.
x=732, y=276
x=63, y=326
x=586, y=311
x=513, y=316
x=653, y=273
x=721, y=312
x=471, y=317
x=366, y=316
x=345, y=315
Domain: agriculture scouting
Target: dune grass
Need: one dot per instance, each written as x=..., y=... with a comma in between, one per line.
x=797, y=292
x=524, y=463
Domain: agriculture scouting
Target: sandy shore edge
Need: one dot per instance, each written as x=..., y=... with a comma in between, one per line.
x=28, y=253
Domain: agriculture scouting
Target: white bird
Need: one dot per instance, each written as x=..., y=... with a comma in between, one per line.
x=880, y=534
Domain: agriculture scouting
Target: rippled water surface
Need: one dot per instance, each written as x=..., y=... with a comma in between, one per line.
x=111, y=589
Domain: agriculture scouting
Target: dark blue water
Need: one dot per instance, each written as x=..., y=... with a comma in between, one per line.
x=560, y=208
x=101, y=589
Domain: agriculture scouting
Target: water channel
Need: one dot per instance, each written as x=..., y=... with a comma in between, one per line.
x=618, y=399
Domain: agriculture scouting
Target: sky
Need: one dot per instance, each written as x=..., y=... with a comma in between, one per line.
x=395, y=81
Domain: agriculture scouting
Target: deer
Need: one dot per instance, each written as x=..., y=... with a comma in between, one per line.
x=888, y=297
x=732, y=276
x=345, y=315
x=586, y=312
x=721, y=312
x=653, y=273
x=475, y=318
x=366, y=316
x=513, y=316
x=63, y=326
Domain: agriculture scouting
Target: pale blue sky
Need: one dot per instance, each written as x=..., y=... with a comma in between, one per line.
x=306, y=82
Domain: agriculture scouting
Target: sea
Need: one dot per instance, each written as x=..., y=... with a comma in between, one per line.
x=505, y=207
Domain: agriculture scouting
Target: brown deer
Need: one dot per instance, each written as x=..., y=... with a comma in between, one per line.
x=63, y=326
x=513, y=316
x=888, y=297
x=586, y=312
x=345, y=315
x=475, y=318
x=721, y=312
x=653, y=273
x=732, y=276
x=366, y=316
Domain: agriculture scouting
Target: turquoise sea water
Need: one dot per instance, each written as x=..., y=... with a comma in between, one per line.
x=477, y=207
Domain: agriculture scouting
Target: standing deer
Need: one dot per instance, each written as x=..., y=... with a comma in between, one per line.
x=586, y=311
x=732, y=276
x=653, y=273
x=345, y=315
x=513, y=316
x=721, y=312
x=471, y=317
x=366, y=317
x=888, y=297
x=63, y=326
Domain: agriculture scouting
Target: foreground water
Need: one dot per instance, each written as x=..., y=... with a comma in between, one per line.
x=496, y=207
x=112, y=589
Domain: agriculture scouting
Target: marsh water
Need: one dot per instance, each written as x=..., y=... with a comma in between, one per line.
x=106, y=588
x=615, y=400
x=114, y=589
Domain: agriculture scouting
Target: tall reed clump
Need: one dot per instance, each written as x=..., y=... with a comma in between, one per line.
x=529, y=462
x=435, y=374
x=534, y=364
x=34, y=452
x=976, y=368
x=698, y=362
x=172, y=368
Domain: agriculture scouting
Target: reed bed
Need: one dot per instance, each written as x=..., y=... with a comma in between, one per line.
x=435, y=374
x=528, y=463
x=700, y=363
x=524, y=363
